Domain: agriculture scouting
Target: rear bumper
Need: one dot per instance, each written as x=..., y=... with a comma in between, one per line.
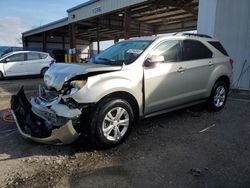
x=39, y=129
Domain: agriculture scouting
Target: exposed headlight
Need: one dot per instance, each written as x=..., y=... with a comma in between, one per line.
x=77, y=85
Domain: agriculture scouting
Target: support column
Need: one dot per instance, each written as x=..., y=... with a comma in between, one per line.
x=139, y=30
x=90, y=55
x=127, y=19
x=44, y=41
x=98, y=37
x=72, y=29
x=116, y=39
x=25, y=43
x=63, y=42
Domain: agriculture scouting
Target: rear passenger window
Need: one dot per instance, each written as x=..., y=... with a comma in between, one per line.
x=44, y=56
x=33, y=56
x=218, y=46
x=171, y=50
x=192, y=50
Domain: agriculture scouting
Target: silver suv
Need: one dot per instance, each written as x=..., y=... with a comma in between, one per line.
x=132, y=79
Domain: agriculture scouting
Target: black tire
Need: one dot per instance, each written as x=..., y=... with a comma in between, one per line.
x=217, y=105
x=43, y=71
x=98, y=138
x=1, y=76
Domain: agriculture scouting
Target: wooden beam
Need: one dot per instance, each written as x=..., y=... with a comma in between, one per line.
x=167, y=21
x=169, y=16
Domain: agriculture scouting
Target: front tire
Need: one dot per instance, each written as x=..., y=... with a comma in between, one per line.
x=111, y=123
x=218, y=97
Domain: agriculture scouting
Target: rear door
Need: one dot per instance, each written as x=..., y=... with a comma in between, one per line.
x=198, y=64
x=34, y=63
x=14, y=65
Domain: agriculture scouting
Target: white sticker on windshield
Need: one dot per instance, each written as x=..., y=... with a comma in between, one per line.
x=135, y=51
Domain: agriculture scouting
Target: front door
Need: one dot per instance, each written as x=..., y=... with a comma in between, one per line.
x=165, y=84
x=14, y=65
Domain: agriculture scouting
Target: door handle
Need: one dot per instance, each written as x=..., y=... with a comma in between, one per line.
x=210, y=63
x=181, y=69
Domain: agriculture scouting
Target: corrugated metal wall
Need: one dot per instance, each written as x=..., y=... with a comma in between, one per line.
x=229, y=21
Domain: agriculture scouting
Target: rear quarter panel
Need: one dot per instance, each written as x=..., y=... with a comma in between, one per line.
x=221, y=68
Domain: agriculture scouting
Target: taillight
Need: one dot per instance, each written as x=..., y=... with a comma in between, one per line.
x=231, y=63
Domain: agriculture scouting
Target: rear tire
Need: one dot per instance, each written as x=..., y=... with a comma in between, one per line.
x=111, y=123
x=43, y=71
x=1, y=76
x=218, y=96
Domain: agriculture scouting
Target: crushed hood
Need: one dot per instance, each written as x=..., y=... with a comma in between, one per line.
x=59, y=73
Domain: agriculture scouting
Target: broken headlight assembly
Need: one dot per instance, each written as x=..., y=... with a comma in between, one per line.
x=76, y=85
x=72, y=87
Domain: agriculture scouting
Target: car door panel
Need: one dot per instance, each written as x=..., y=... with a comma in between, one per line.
x=196, y=74
x=197, y=59
x=15, y=65
x=33, y=63
x=164, y=87
x=177, y=81
x=165, y=83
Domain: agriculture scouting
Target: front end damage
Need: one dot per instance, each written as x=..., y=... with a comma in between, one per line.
x=45, y=120
x=54, y=116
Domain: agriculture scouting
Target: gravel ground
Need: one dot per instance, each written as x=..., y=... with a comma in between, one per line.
x=179, y=149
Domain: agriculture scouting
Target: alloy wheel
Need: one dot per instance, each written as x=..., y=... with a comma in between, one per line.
x=115, y=124
x=219, y=96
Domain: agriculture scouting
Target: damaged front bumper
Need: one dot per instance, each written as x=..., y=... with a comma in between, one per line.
x=52, y=123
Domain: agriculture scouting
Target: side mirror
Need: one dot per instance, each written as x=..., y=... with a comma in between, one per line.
x=153, y=60
x=7, y=60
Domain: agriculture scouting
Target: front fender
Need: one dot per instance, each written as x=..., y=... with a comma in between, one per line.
x=101, y=85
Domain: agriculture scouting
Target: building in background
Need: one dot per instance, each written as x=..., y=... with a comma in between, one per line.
x=102, y=20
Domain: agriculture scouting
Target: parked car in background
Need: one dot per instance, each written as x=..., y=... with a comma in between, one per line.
x=132, y=79
x=22, y=63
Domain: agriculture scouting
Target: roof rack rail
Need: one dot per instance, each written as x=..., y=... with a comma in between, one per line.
x=196, y=35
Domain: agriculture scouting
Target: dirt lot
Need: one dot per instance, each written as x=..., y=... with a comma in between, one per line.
x=172, y=150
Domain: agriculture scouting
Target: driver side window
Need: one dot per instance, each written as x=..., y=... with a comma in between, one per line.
x=171, y=50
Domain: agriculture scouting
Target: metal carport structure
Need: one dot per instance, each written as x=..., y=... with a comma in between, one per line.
x=100, y=20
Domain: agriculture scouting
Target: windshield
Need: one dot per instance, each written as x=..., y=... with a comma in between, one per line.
x=123, y=52
x=5, y=55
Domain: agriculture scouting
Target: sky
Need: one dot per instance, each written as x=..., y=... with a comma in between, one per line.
x=17, y=16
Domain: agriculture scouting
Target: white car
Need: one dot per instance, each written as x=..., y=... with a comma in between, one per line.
x=22, y=63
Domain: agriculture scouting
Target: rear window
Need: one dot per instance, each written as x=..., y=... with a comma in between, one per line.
x=218, y=46
x=44, y=56
x=33, y=56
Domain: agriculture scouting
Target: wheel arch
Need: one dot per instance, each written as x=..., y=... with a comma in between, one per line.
x=43, y=69
x=225, y=79
x=125, y=96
